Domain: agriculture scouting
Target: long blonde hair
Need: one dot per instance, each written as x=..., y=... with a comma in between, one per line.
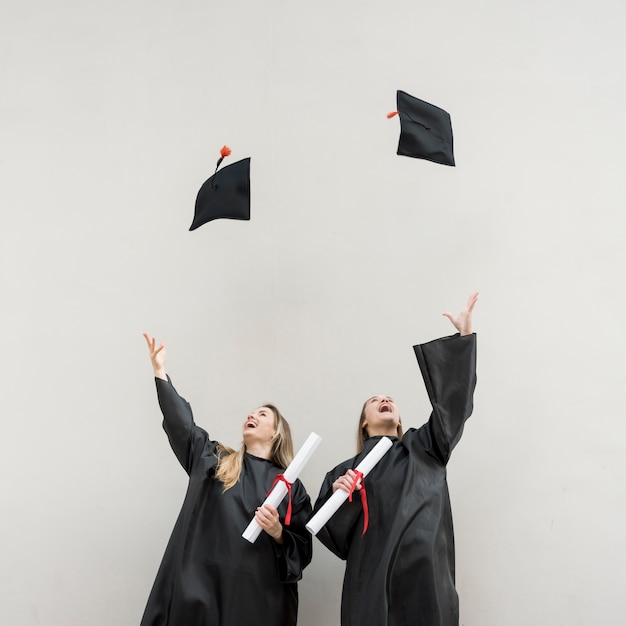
x=230, y=461
x=361, y=432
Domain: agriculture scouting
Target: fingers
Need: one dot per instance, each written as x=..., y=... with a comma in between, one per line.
x=346, y=481
x=455, y=321
x=351, y=476
x=151, y=341
x=471, y=301
x=267, y=516
x=272, y=510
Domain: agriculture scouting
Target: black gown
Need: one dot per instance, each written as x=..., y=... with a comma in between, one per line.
x=210, y=575
x=401, y=572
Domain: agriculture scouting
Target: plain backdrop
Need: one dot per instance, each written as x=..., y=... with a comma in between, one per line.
x=112, y=116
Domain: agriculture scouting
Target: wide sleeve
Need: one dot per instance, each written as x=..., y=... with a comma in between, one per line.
x=337, y=533
x=448, y=366
x=296, y=550
x=186, y=438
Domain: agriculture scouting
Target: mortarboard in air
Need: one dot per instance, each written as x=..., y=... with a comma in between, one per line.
x=425, y=130
x=226, y=194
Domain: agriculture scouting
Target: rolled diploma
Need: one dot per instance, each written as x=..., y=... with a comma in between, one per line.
x=331, y=506
x=280, y=489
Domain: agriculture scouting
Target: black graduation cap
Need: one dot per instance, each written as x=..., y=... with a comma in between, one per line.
x=225, y=194
x=425, y=130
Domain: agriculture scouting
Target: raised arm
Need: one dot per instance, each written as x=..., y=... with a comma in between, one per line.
x=448, y=366
x=186, y=438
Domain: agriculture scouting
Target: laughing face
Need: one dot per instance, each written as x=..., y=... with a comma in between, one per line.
x=260, y=426
x=380, y=416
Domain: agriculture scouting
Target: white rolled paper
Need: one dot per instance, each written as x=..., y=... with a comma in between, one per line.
x=279, y=491
x=331, y=506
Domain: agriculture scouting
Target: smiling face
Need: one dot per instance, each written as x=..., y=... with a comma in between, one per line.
x=380, y=416
x=260, y=426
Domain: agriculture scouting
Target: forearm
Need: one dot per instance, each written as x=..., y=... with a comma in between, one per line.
x=178, y=421
x=448, y=367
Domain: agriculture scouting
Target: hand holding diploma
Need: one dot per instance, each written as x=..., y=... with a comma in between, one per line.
x=354, y=479
x=267, y=518
x=348, y=482
x=279, y=490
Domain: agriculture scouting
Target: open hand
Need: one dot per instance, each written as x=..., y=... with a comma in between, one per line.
x=463, y=321
x=157, y=356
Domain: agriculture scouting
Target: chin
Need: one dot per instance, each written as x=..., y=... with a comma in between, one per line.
x=389, y=418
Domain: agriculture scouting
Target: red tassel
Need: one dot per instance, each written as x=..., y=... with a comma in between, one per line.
x=225, y=151
x=392, y=114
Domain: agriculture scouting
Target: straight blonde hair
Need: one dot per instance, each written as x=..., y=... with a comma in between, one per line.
x=230, y=461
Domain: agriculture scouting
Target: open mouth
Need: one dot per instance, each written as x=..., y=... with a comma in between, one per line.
x=250, y=424
x=385, y=408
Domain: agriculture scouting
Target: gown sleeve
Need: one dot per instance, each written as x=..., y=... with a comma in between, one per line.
x=296, y=551
x=186, y=438
x=448, y=366
x=337, y=533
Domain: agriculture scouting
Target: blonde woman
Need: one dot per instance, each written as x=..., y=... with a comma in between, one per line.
x=396, y=534
x=210, y=575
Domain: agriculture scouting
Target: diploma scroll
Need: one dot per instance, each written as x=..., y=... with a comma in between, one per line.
x=331, y=506
x=279, y=491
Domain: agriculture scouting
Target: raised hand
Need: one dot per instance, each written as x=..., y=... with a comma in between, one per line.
x=157, y=356
x=463, y=321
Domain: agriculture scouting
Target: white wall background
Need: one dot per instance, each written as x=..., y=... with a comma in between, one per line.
x=112, y=115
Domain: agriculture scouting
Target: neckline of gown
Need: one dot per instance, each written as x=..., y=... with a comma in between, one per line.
x=393, y=438
x=259, y=458
x=370, y=442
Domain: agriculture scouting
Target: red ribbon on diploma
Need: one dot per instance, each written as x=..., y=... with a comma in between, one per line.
x=366, y=516
x=281, y=478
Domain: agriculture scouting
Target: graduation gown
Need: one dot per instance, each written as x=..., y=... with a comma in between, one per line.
x=210, y=575
x=401, y=572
